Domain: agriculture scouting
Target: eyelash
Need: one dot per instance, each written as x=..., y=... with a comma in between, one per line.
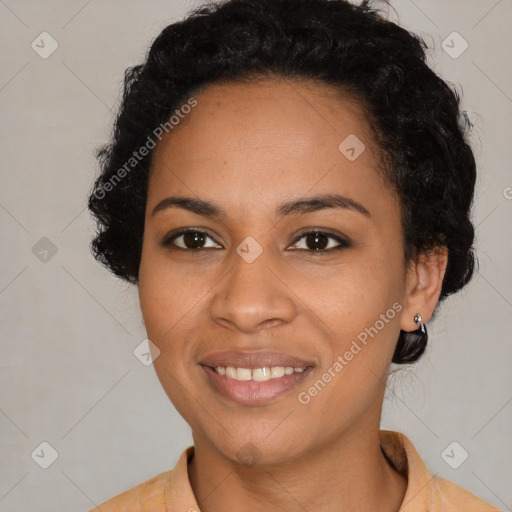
x=343, y=243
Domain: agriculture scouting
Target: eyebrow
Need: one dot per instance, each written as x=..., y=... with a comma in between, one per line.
x=294, y=207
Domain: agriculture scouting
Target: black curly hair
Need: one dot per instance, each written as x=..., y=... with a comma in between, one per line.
x=414, y=114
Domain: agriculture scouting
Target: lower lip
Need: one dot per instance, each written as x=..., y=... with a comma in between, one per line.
x=250, y=392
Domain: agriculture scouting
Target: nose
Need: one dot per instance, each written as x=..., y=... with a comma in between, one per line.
x=252, y=296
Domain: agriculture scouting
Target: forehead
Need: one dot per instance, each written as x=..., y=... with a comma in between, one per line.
x=268, y=140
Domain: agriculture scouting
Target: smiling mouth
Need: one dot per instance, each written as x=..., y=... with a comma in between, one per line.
x=257, y=374
x=255, y=386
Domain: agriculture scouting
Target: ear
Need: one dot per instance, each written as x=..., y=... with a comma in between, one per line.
x=423, y=283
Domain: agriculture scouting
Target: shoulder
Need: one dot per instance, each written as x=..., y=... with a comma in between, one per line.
x=426, y=491
x=158, y=494
x=454, y=498
x=146, y=496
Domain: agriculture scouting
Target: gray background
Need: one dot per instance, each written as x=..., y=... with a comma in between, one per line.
x=68, y=373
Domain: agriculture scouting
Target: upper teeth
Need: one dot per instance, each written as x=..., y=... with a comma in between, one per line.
x=257, y=374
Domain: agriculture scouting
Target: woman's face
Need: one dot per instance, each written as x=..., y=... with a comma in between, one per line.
x=251, y=291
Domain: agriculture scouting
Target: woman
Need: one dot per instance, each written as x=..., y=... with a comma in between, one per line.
x=289, y=186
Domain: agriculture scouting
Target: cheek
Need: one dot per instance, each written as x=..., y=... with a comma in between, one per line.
x=361, y=304
x=167, y=301
x=352, y=297
x=167, y=294
x=173, y=303
x=365, y=325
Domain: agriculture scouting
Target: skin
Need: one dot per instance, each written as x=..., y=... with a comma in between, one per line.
x=248, y=147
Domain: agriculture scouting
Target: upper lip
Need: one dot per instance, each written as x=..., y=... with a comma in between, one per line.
x=251, y=359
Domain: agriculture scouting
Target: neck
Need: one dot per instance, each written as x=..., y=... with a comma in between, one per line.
x=346, y=475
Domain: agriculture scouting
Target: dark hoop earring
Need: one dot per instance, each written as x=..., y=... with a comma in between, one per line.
x=411, y=345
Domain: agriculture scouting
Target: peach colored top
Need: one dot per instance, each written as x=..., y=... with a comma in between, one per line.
x=171, y=491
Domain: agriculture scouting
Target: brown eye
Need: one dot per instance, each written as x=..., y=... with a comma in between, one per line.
x=190, y=239
x=318, y=241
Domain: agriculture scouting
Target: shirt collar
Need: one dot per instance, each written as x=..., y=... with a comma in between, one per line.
x=401, y=453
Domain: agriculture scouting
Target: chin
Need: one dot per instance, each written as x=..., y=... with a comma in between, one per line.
x=262, y=447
